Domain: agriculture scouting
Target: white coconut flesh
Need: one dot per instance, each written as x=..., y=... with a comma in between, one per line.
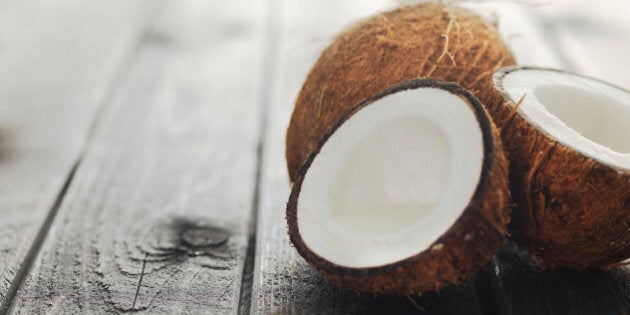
x=587, y=115
x=392, y=179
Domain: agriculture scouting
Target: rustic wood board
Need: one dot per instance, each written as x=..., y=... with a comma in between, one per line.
x=157, y=216
x=57, y=66
x=283, y=283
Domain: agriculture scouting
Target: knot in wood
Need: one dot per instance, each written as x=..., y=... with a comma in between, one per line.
x=176, y=237
x=205, y=236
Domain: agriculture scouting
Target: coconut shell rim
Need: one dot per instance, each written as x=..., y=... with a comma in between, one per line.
x=490, y=144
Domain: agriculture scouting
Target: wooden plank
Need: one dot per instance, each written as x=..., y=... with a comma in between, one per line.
x=589, y=40
x=54, y=76
x=157, y=216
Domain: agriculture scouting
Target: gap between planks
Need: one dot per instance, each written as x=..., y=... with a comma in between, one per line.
x=270, y=50
x=33, y=251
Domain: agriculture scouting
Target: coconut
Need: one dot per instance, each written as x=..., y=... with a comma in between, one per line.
x=406, y=193
x=567, y=138
x=431, y=40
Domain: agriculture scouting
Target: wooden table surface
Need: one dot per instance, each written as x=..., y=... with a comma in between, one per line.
x=142, y=157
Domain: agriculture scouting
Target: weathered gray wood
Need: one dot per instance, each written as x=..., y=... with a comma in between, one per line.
x=57, y=62
x=583, y=39
x=283, y=283
x=156, y=218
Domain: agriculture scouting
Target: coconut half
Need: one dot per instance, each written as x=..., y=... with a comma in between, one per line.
x=407, y=193
x=568, y=139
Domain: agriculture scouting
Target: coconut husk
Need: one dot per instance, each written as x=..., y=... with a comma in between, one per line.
x=429, y=40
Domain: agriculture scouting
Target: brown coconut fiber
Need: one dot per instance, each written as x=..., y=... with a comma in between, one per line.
x=463, y=249
x=429, y=40
x=572, y=211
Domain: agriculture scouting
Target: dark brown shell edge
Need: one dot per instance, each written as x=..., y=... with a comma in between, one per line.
x=465, y=248
x=573, y=211
x=430, y=39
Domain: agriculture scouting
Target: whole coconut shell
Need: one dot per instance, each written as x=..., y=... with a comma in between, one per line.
x=430, y=40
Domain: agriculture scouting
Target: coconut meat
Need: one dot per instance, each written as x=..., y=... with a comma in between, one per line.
x=587, y=115
x=391, y=179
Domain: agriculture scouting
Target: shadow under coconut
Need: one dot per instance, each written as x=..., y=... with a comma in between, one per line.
x=514, y=284
x=306, y=292
x=471, y=297
x=511, y=284
x=521, y=287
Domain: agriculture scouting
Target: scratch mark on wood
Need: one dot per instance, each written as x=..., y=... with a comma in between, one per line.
x=135, y=299
x=170, y=277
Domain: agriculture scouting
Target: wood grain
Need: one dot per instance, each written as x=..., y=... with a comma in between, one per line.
x=156, y=218
x=57, y=64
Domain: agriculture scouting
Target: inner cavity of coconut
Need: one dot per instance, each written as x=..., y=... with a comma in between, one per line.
x=392, y=179
x=585, y=114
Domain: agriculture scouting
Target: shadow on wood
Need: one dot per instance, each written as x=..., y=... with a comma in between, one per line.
x=524, y=288
x=309, y=291
x=471, y=297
